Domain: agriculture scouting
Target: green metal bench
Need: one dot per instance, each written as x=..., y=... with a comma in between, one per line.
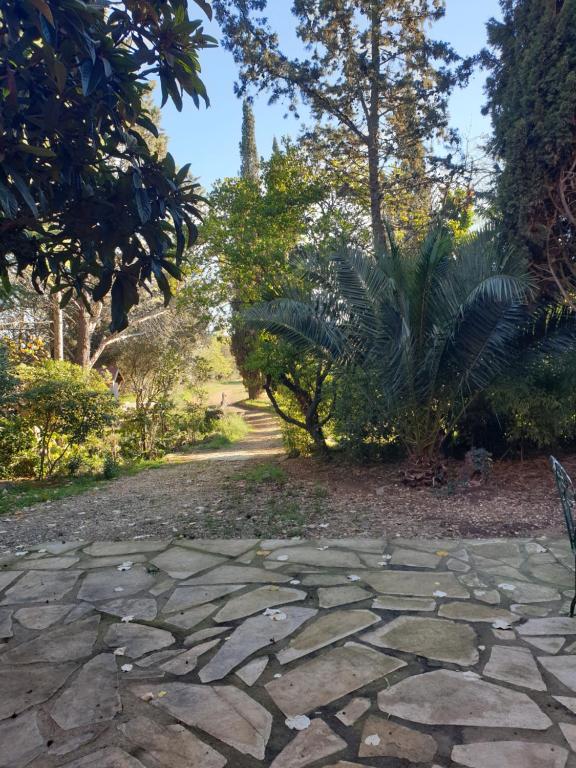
x=567, y=499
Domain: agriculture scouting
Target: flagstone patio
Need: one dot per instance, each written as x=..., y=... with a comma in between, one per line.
x=286, y=654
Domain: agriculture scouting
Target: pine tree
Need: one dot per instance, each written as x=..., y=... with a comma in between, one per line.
x=275, y=147
x=532, y=102
x=250, y=167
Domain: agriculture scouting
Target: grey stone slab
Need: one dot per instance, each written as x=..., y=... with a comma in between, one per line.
x=181, y=563
x=45, y=564
x=251, y=636
x=489, y=596
x=473, y=612
x=108, y=757
x=90, y=563
x=157, y=658
x=161, y=587
x=204, y=634
x=186, y=662
x=224, y=712
x=346, y=764
x=381, y=738
x=92, y=697
x=554, y=574
x=549, y=645
x=42, y=616
x=6, y=630
x=332, y=597
x=170, y=746
x=497, y=550
x=65, y=643
x=115, y=548
x=7, y=577
x=545, y=627
x=457, y=565
x=510, y=754
x=413, y=558
x=325, y=630
x=190, y=618
x=252, y=671
x=437, y=639
x=108, y=584
x=59, y=547
x=70, y=742
x=309, y=746
x=388, y=603
x=20, y=740
x=353, y=710
x=569, y=733
x=562, y=667
x=226, y=547
x=79, y=611
x=328, y=677
x=324, y=580
x=568, y=702
x=238, y=574
x=138, y=639
x=41, y=587
x=530, y=611
x=140, y=608
x=325, y=558
x=523, y=592
x=190, y=597
x=453, y=698
x=514, y=665
x=258, y=600
x=415, y=583
x=24, y=687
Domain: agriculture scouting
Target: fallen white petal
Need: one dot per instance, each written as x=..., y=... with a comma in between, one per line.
x=372, y=741
x=298, y=723
x=127, y=667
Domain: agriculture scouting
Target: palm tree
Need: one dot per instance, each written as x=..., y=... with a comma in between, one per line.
x=437, y=324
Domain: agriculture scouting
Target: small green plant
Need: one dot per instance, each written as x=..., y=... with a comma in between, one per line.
x=227, y=430
x=320, y=492
x=283, y=518
x=263, y=473
x=110, y=468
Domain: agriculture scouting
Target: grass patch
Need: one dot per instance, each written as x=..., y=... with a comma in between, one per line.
x=229, y=429
x=263, y=473
x=283, y=518
x=257, y=405
x=25, y=493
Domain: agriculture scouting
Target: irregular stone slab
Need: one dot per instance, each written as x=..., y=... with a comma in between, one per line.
x=252, y=671
x=412, y=558
x=510, y=754
x=21, y=741
x=553, y=574
x=204, y=634
x=432, y=638
x=109, y=757
x=105, y=584
x=258, y=600
x=548, y=644
x=309, y=746
x=474, y=612
x=189, y=597
x=181, y=563
x=562, y=667
x=329, y=677
x=42, y=616
x=567, y=702
x=115, y=560
x=115, y=548
x=138, y=639
x=226, y=547
x=490, y=596
x=325, y=558
x=41, y=587
x=528, y=593
x=162, y=587
x=415, y=584
x=172, y=746
x=497, y=550
x=529, y=611
x=187, y=661
x=154, y=659
x=79, y=611
x=224, y=712
x=238, y=574
x=394, y=740
x=45, y=564
x=353, y=711
x=92, y=697
x=387, y=603
x=24, y=687
x=514, y=665
x=67, y=643
x=324, y=580
x=332, y=597
x=569, y=732
x=70, y=742
x=251, y=636
x=6, y=623
x=326, y=630
x=452, y=698
x=141, y=608
x=457, y=565
x=7, y=577
x=346, y=764
x=59, y=547
x=544, y=627
x=189, y=619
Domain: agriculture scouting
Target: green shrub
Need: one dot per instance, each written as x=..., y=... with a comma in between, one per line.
x=263, y=473
x=110, y=467
x=232, y=427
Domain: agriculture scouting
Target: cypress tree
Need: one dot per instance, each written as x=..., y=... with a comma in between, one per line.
x=532, y=103
x=250, y=167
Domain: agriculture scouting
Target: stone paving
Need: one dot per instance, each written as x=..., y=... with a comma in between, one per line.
x=287, y=654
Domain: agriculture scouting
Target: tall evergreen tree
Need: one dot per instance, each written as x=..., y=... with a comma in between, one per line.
x=532, y=102
x=250, y=167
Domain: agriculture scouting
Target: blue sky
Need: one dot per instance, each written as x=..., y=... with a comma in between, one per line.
x=208, y=138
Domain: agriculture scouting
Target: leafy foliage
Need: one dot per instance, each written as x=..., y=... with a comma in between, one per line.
x=84, y=203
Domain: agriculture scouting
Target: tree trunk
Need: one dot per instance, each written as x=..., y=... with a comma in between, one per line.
x=57, y=323
x=378, y=234
x=83, y=336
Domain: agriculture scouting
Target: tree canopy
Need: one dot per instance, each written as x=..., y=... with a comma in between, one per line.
x=85, y=204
